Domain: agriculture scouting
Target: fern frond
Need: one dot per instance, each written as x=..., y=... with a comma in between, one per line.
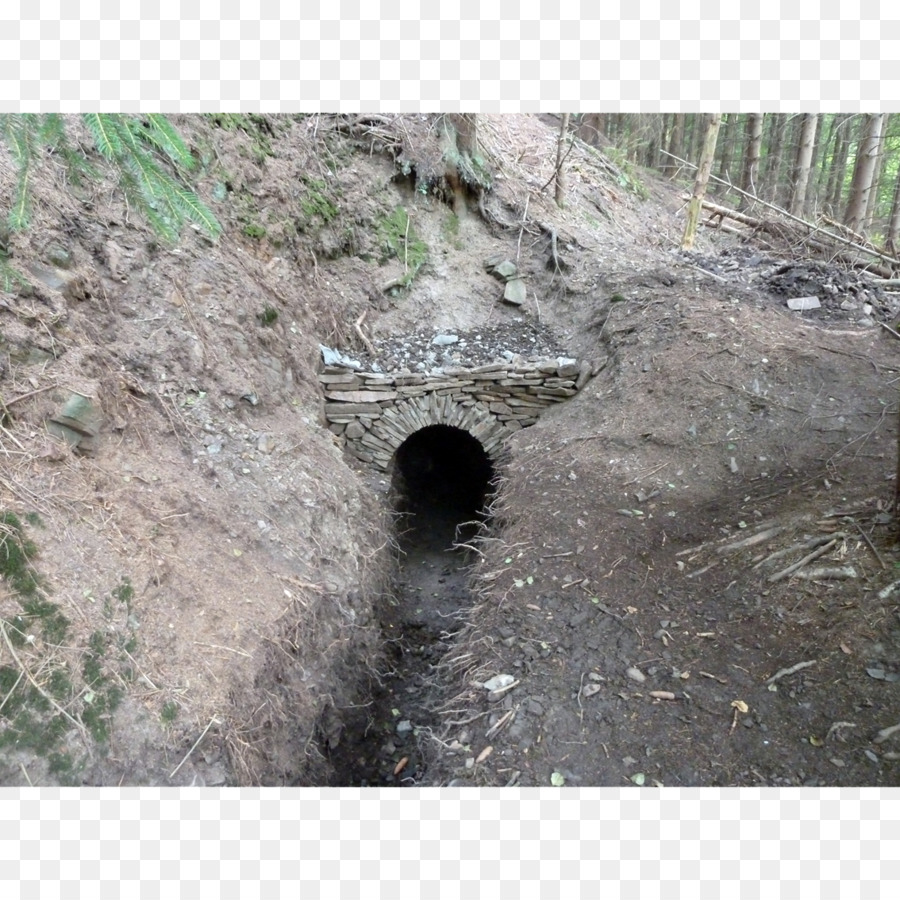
x=10, y=278
x=19, y=212
x=148, y=177
x=51, y=130
x=18, y=132
x=195, y=210
x=136, y=196
x=162, y=135
x=106, y=130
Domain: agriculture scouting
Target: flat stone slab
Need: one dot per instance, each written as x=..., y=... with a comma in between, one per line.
x=515, y=292
x=361, y=396
x=802, y=303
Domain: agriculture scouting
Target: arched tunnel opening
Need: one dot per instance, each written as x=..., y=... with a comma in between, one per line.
x=441, y=487
x=442, y=483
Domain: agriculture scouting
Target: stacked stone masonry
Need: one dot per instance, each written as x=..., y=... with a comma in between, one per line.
x=376, y=412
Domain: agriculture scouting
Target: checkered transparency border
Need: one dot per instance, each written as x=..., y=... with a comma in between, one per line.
x=484, y=55
x=449, y=843
x=481, y=55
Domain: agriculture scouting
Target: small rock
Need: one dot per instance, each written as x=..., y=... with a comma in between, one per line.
x=444, y=340
x=505, y=269
x=635, y=674
x=498, y=682
x=404, y=727
x=804, y=303
x=515, y=292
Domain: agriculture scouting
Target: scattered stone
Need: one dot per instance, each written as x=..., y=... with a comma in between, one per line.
x=77, y=423
x=58, y=256
x=498, y=682
x=515, y=292
x=506, y=269
x=635, y=674
x=803, y=303
x=334, y=358
x=445, y=340
x=404, y=727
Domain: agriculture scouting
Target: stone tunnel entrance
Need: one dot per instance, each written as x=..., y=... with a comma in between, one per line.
x=440, y=437
x=442, y=480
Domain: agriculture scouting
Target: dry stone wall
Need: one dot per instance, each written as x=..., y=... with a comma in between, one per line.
x=376, y=412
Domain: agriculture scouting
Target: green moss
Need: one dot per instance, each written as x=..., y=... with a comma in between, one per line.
x=318, y=204
x=124, y=593
x=254, y=231
x=16, y=551
x=268, y=316
x=169, y=712
x=397, y=239
x=258, y=127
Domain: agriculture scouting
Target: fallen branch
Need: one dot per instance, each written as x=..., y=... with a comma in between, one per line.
x=503, y=720
x=891, y=330
x=782, y=673
x=806, y=559
x=806, y=545
x=21, y=397
x=358, y=326
x=812, y=227
x=209, y=724
x=871, y=545
x=751, y=541
x=835, y=572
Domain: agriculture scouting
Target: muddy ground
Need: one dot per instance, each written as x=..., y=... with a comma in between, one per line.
x=270, y=611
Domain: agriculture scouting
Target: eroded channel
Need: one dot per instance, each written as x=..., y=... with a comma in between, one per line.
x=441, y=484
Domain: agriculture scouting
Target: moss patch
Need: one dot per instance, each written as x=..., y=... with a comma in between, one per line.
x=318, y=204
x=397, y=239
x=39, y=680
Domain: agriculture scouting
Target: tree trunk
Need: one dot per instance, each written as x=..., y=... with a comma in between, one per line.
x=702, y=179
x=752, y=156
x=590, y=128
x=893, y=235
x=773, y=159
x=697, y=121
x=863, y=172
x=813, y=194
x=653, y=140
x=805, y=143
x=726, y=155
x=872, y=205
x=560, y=175
x=838, y=163
x=676, y=144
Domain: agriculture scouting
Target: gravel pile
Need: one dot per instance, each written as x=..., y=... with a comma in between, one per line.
x=431, y=351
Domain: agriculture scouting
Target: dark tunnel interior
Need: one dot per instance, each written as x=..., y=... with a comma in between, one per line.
x=442, y=478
